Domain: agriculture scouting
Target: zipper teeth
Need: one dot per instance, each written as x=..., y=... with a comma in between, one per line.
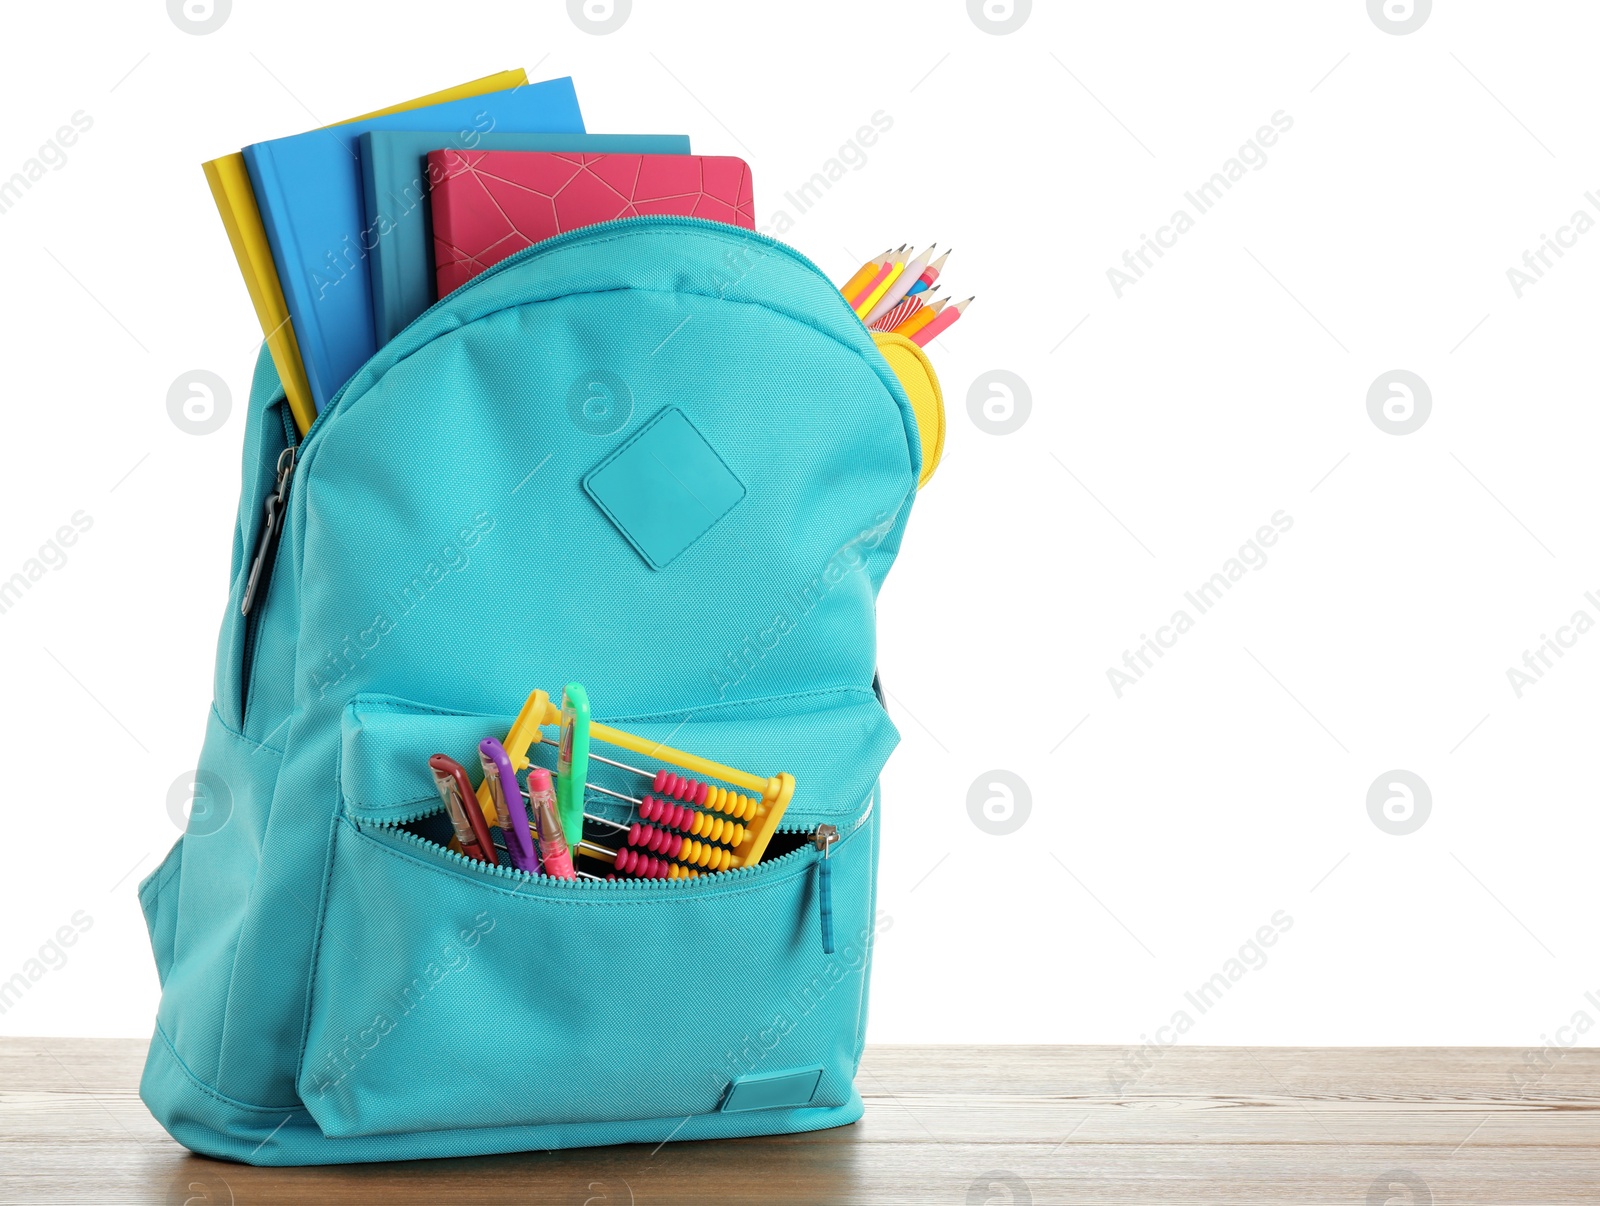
x=562, y=240
x=392, y=825
x=513, y=875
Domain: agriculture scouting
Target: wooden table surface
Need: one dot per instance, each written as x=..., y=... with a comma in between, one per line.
x=1006, y=1125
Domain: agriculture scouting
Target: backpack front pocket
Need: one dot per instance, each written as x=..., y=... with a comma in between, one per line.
x=448, y=994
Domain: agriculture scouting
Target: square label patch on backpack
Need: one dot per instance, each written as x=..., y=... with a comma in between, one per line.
x=665, y=488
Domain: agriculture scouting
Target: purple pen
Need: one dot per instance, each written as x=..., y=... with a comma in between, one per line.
x=501, y=777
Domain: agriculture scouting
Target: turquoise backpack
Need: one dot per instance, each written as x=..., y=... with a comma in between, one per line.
x=660, y=457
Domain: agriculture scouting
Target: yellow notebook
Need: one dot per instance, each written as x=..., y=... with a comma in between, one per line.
x=236, y=202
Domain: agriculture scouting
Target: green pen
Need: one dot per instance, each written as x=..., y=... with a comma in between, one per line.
x=572, y=762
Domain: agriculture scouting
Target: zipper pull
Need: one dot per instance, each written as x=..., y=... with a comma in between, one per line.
x=825, y=836
x=277, y=504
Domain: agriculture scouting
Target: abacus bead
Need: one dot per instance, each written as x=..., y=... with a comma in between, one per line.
x=660, y=782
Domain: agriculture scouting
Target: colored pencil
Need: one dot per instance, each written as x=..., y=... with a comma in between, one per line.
x=884, y=268
x=864, y=307
x=865, y=273
x=946, y=320
x=921, y=318
x=881, y=275
x=929, y=274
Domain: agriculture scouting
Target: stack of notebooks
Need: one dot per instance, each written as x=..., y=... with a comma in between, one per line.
x=345, y=235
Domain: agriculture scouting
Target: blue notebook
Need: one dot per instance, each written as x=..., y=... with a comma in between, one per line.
x=308, y=188
x=395, y=184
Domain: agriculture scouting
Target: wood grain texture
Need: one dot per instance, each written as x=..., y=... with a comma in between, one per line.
x=1005, y=1125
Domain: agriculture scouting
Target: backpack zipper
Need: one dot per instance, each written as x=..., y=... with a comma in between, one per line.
x=259, y=575
x=271, y=529
x=823, y=836
x=580, y=235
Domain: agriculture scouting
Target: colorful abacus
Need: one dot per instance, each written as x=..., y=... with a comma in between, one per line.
x=687, y=820
x=737, y=838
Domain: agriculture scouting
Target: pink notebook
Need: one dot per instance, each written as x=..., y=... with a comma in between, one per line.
x=488, y=205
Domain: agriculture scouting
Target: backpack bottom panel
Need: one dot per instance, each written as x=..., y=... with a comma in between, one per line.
x=210, y=1124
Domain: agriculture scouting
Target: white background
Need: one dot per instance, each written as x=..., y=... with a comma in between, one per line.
x=1230, y=383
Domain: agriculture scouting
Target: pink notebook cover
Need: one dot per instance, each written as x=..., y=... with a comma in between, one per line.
x=488, y=205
